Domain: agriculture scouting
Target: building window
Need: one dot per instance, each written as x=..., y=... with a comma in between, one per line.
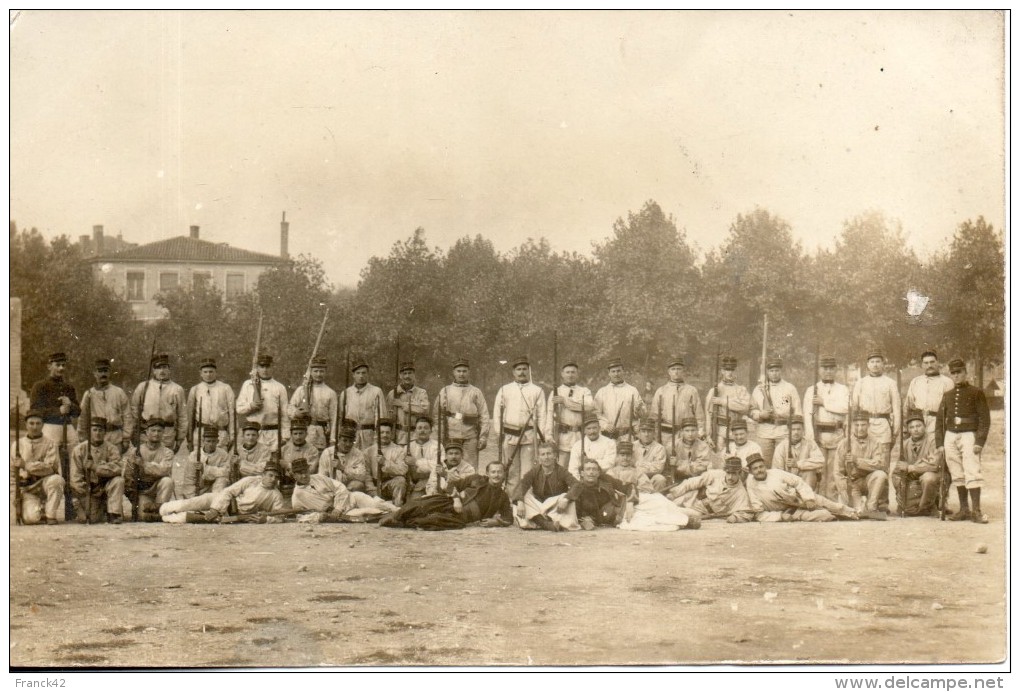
x=202, y=279
x=235, y=286
x=136, y=286
x=168, y=281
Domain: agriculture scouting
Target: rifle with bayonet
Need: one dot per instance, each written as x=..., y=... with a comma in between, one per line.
x=65, y=470
x=279, y=430
x=136, y=440
x=556, y=391
x=87, y=463
x=256, y=381
x=766, y=386
x=376, y=467
x=814, y=408
x=311, y=359
x=713, y=425
x=198, y=452
x=249, y=517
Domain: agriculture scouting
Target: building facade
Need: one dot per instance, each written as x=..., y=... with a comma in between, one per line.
x=139, y=274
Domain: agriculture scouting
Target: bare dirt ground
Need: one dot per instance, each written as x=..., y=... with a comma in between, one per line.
x=141, y=595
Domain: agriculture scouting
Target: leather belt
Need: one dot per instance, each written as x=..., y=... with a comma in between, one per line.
x=464, y=418
x=320, y=423
x=511, y=430
x=270, y=427
x=569, y=428
x=877, y=416
x=827, y=427
x=964, y=421
x=930, y=413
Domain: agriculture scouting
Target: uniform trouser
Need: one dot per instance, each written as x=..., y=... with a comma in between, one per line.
x=964, y=464
x=470, y=449
x=394, y=489
x=813, y=515
x=192, y=504
x=156, y=495
x=523, y=459
x=216, y=486
x=112, y=489
x=533, y=507
x=874, y=487
x=268, y=438
x=827, y=479
x=812, y=478
x=768, y=449
x=836, y=508
x=45, y=495
x=921, y=494
x=54, y=433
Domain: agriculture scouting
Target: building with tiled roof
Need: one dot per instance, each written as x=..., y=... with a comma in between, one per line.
x=139, y=273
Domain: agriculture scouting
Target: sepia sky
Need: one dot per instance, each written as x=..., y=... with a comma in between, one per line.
x=363, y=126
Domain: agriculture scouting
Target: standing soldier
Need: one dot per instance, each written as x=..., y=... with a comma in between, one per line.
x=156, y=461
x=961, y=431
x=252, y=455
x=212, y=475
x=37, y=470
x=108, y=402
x=217, y=407
x=876, y=396
x=800, y=455
x=56, y=401
x=519, y=412
x=261, y=399
x=566, y=405
x=164, y=400
x=725, y=401
x=97, y=472
x=465, y=415
x=925, y=391
x=676, y=401
x=619, y=404
x=362, y=403
x=322, y=410
x=825, y=412
x=772, y=403
x=406, y=404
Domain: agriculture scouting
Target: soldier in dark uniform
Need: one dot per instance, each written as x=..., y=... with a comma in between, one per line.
x=961, y=430
x=56, y=400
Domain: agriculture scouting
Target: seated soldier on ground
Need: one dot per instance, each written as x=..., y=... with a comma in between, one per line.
x=650, y=456
x=778, y=495
x=473, y=499
x=716, y=494
x=450, y=470
x=214, y=474
x=598, y=500
x=537, y=494
x=421, y=457
x=348, y=464
x=327, y=500
x=97, y=476
x=625, y=471
x=918, y=467
x=392, y=465
x=252, y=454
x=37, y=471
x=693, y=456
x=253, y=494
x=860, y=470
x=803, y=458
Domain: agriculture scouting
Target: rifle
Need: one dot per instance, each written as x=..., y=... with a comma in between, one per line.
x=583, y=435
x=789, y=443
x=198, y=453
x=901, y=495
x=658, y=430
x=308, y=372
x=766, y=387
x=713, y=426
x=376, y=470
x=347, y=384
x=502, y=436
x=556, y=389
x=136, y=438
x=943, y=467
x=674, y=422
x=17, y=468
x=279, y=429
x=65, y=471
x=254, y=517
x=87, y=415
x=814, y=409
x=256, y=381
x=235, y=466
x=848, y=466
x=726, y=440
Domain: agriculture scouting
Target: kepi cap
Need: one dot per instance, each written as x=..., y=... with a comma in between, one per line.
x=58, y=357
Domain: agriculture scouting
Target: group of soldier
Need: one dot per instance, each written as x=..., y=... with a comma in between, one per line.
x=566, y=460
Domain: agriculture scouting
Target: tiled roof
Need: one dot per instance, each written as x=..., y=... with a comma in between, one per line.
x=186, y=249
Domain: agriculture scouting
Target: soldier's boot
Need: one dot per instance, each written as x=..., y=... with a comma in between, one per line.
x=963, y=513
x=114, y=519
x=975, y=501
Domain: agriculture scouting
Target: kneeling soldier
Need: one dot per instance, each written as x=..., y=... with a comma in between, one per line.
x=916, y=475
x=37, y=470
x=97, y=473
x=155, y=463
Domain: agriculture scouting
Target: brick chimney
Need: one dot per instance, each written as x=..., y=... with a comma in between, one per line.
x=97, y=239
x=284, y=236
x=194, y=232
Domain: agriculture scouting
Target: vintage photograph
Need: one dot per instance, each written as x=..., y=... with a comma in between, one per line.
x=537, y=340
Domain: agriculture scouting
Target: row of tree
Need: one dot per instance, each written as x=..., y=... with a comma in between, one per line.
x=644, y=294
